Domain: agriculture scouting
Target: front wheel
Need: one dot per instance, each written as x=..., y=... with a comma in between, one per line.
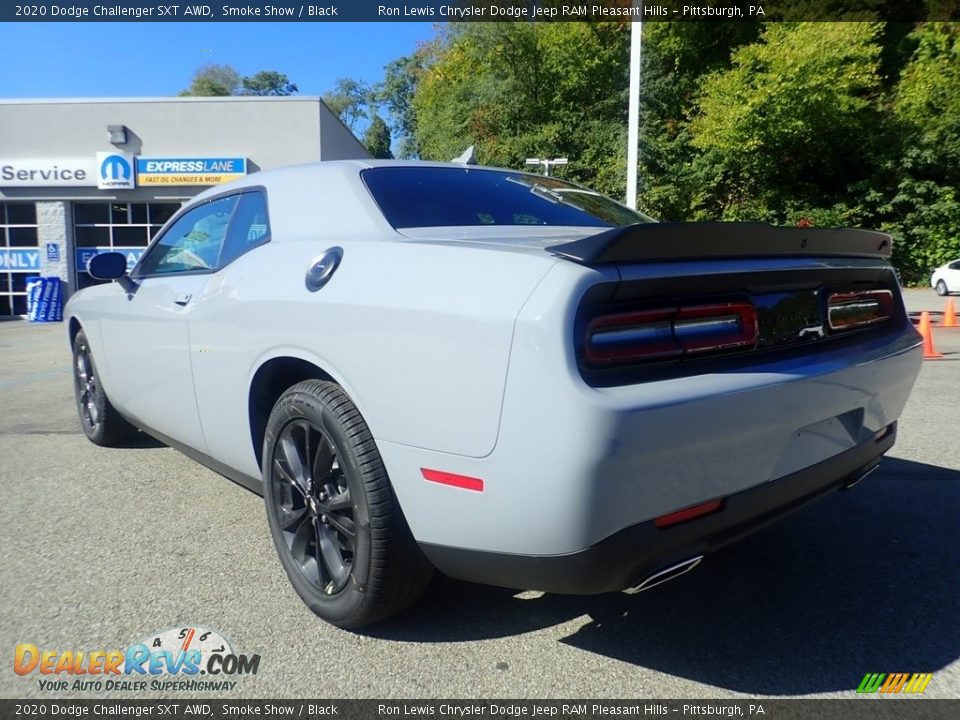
x=335, y=521
x=102, y=424
x=941, y=288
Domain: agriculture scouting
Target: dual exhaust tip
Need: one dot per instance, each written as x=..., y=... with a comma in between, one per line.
x=685, y=566
x=665, y=575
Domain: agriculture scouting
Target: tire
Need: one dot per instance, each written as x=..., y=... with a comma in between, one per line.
x=101, y=422
x=334, y=518
x=941, y=288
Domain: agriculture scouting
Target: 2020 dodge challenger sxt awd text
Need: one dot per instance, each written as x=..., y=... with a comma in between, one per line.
x=503, y=376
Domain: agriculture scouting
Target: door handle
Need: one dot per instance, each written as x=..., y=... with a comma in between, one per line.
x=183, y=299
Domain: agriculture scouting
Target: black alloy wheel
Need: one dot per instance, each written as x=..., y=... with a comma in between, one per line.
x=314, y=508
x=101, y=422
x=335, y=520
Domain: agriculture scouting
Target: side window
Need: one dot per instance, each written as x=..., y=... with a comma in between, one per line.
x=249, y=228
x=193, y=242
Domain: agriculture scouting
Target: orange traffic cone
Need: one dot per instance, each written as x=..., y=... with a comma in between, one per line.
x=927, y=334
x=949, y=315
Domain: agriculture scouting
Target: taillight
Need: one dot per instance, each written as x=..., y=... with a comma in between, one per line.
x=849, y=310
x=671, y=332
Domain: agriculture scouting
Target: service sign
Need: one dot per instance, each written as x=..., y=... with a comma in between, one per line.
x=189, y=171
x=48, y=172
x=115, y=171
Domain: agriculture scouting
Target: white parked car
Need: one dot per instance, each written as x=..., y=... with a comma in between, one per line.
x=946, y=278
x=496, y=374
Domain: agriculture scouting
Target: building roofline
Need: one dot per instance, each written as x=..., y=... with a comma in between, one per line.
x=173, y=98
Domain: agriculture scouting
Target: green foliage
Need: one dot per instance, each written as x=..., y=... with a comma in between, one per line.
x=222, y=80
x=348, y=101
x=825, y=124
x=376, y=138
x=790, y=122
x=518, y=90
x=268, y=82
x=213, y=81
x=925, y=209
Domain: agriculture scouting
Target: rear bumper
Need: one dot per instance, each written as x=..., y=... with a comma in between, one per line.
x=634, y=553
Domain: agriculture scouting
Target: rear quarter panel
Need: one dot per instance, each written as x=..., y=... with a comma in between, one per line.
x=417, y=334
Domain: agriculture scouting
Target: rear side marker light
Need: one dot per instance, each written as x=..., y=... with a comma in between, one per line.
x=671, y=332
x=453, y=480
x=849, y=310
x=688, y=513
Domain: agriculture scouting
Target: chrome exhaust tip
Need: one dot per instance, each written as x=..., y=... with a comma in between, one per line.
x=662, y=576
x=857, y=480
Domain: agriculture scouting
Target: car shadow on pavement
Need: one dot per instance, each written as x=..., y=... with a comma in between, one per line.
x=141, y=441
x=861, y=581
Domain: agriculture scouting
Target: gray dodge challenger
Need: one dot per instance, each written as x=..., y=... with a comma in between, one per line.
x=501, y=376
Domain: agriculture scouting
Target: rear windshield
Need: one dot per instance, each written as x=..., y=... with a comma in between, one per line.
x=440, y=197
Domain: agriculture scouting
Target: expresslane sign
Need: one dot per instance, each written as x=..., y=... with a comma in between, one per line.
x=189, y=171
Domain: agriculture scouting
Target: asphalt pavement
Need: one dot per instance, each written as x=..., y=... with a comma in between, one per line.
x=101, y=547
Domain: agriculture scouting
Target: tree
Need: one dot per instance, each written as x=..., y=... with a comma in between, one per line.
x=268, y=82
x=221, y=80
x=376, y=138
x=396, y=93
x=515, y=90
x=213, y=81
x=793, y=122
x=925, y=208
x=349, y=101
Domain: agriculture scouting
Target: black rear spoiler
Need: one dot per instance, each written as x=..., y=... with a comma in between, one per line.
x=652, y=242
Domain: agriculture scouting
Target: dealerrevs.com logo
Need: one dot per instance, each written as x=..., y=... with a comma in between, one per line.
x=188, y=658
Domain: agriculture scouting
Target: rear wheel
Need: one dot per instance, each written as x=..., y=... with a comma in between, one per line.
x=102, y=424
x=941, y=288
x=335, y=521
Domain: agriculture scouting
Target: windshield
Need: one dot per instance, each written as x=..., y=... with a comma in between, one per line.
x=446, y=196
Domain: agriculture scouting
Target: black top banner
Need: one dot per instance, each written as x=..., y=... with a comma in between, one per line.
x=480, y=11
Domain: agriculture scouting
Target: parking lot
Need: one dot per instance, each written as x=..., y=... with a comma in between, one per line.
x=101, y=547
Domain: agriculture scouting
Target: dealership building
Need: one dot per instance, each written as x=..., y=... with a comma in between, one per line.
x=78, y=177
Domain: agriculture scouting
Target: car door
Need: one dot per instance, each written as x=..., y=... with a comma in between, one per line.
x=951, y=276
x=147, y=337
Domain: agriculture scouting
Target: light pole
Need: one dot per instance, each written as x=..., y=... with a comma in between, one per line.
x=633, y=111
x=547, y=163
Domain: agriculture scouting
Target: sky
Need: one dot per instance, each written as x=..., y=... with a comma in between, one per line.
x=84, y=59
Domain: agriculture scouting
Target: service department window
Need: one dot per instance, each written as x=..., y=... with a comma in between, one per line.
x=124, y=227
x=19, y=255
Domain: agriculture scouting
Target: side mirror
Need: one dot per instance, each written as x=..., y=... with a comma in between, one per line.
x=111, y=266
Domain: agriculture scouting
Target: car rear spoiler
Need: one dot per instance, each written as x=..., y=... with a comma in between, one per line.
x=657, y=242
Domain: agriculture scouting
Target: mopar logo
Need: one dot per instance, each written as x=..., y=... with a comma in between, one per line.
x=116, y=171
x=115, y=167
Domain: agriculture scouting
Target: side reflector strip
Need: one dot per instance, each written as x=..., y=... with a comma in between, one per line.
x=688, y=513
x=453, y=480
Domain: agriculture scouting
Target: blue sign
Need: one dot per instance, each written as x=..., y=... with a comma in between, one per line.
x=53, y=252
x=84, y=254
x=189, y=171
x=20, y=259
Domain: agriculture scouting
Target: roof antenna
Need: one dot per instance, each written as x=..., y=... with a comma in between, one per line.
x=467, y=158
